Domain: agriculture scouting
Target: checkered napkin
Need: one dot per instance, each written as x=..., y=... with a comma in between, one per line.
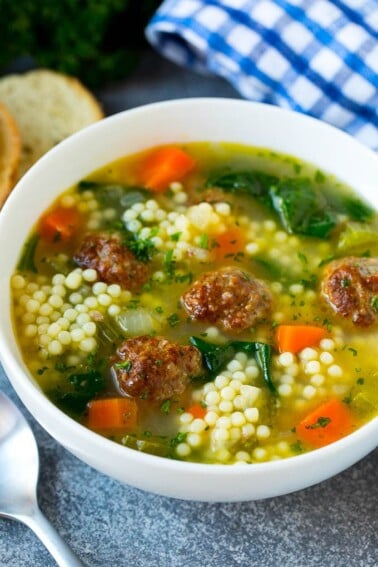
x=319, y=57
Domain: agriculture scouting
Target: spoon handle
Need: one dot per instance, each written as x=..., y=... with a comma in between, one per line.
x=45, y=531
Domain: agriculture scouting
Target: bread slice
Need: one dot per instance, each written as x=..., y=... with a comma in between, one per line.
x=48, y=107
x=10, y=150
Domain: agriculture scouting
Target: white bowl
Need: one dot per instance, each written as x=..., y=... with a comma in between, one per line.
x=129, y=132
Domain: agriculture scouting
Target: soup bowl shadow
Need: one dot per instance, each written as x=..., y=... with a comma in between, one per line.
x=180, y=121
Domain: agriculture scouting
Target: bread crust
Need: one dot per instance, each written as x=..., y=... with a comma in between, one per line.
x=10, y=151
x=48, y=106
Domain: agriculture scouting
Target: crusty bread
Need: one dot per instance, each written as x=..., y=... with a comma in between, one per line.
x=10, y=150
x=47, y=106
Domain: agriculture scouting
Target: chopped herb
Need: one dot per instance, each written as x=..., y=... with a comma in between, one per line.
x=360, y=381
x=126, y=365
x=180, y=411
x=165, y=407
x=348, y=399
x=61, y=366
x=133, y=304
x=326, y=261
x=303, y=258
x=353, y=351
x=204, y=241
x=173, y=320
x=176, y=236
x=42, y=370
x=169, y=263
x=345, y=282
x=159, y=309
x=327, y=324
x=319, y=176
x=147, y=433
x=374, y=303
x=142, y=248
x=321, y=422
x=179, y=438
x=296, y=447
x=297, y=168
x=181, y=278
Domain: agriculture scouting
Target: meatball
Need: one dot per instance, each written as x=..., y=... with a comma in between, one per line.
x=350, y=285
x=229, y=298
x=113, y=262
x=153, y=368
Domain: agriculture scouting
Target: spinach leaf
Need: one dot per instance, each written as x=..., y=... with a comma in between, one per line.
x=350, y=205
x=113, y=195
x=254, y=183
x=301, y=208
x=27, y=262
x=82, y=387
x=216, y=357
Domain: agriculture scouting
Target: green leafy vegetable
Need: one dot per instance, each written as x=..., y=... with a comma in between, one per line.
x=217, y=356
x=301, y=208
x=154, y=445
x=356, y=236
x=254, y=183
x=27, y=260
x=81, y=388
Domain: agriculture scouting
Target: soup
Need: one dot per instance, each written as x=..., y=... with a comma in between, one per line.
x=212, y=303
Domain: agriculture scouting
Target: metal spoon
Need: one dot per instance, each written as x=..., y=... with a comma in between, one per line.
x=19, y=467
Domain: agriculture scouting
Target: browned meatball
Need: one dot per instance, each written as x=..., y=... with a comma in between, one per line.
x=113, y=262
x=230, y=298
x=350, y=286
x=155, y=369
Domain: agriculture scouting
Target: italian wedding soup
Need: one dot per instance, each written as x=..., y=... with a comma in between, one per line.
x=210, y=302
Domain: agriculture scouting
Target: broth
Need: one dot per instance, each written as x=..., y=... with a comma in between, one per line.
x=261, y=221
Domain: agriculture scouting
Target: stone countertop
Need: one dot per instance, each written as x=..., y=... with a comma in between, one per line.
x=333, y=524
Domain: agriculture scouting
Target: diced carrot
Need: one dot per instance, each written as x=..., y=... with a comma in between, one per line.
x=60, y=224
x=163, y=166
x=328, y=423
x=293, y=338
x=229, y=242
x=112, y=414
x=197, y=411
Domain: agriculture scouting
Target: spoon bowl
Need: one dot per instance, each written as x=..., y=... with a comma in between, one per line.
x=19, y=470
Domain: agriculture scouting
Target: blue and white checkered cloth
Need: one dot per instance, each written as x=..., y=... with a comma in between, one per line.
x=319, y=57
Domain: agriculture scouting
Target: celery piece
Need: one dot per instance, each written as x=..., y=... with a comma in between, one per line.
x=357, y=235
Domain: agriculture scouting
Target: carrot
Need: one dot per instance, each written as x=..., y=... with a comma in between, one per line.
x=229, y=242
x=163, y=166
x=112, y=413
x=59, y=224
x=293, y=338
x=328, y=423
x=197, y=411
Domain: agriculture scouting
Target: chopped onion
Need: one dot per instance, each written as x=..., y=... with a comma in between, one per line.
x=135, y=322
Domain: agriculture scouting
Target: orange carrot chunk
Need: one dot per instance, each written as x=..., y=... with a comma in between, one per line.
x=197, y=411
x=294, y=338
x=112, y=413
x=328, y=423
x=229, y=242
x=163, y=166
x=59, y=224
